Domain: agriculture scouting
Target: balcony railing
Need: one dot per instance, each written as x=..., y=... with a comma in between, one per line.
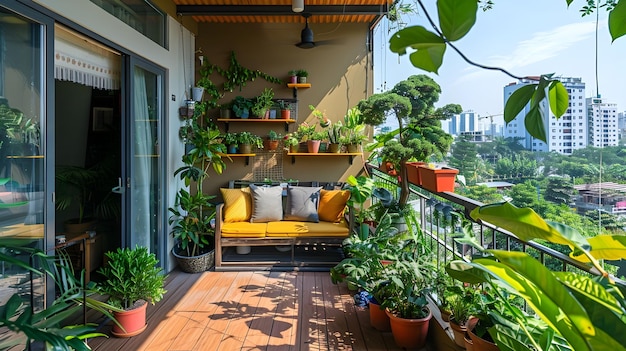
x=441, y=214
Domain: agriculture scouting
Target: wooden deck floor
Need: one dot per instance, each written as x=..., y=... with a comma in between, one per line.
x=253, y=311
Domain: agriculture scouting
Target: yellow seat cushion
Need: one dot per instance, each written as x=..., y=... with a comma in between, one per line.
x=304, y=229
x=244, y=230
x=332, y=204
x=237, y=205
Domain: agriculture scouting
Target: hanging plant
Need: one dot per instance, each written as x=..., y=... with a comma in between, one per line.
x=238, y=76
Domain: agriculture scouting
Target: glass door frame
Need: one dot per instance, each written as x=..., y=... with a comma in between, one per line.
x=128, y=151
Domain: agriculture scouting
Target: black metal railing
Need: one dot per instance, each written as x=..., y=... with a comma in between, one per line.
x=443, y=215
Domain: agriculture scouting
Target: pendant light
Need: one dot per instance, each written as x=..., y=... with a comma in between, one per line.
x=297, y=5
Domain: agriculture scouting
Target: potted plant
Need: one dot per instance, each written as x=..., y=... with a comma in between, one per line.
x=248, y=140
x=262, y=103
x=334, y=137
x=226, y=109
x=131, y=279
x=231, y=140
x=462, y=304
x=291, y=143
x=193, y=212
x=419, y=134
x=353, y=132
x=272, y=140
x=242, y=106
x=406, y=303
x=285, y=112
x=89, y=190
x=293, y=76
x=302, y=76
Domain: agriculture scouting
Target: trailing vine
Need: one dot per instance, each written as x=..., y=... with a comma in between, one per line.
x=238, y=76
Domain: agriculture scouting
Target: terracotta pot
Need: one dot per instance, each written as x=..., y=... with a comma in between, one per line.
x=245, y=148
x=469, y=346
x=478, y=342
x=459, y=333
x=445, y=314
x=409, y=333
x=133, y=321
x=437, y=180
x=413, y=174
x=272, y=145
x=285, y=114
x=334, y=148
x=313, y=146
x=379, y=318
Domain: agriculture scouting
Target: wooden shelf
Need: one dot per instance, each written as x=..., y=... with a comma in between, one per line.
x=296, y=86
x=247, y=156
x=256, y=120
x=350, y=155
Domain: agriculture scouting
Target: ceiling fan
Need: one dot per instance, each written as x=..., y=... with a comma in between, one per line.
x=306, y=36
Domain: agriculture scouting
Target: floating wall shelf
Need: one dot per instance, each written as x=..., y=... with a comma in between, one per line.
x=227, y=121
x=296, y=86
x=350, y=155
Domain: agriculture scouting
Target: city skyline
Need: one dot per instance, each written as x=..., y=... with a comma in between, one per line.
x=534, y=37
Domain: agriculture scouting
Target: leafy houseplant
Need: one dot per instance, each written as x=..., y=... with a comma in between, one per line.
x=585, y=311
x=302, y=75
x=231, y=140
x=131, y=280
x=262, y=103
x=293, y=76
x=285, y=112
x=248, y=140
x=242, y=106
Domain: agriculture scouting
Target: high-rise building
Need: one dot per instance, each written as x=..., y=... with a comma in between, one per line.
x=603, y=125
x=563, y=135
x=464, y=122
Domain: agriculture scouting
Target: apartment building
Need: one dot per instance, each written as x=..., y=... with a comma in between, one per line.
x=603, y=122
x=564, y=135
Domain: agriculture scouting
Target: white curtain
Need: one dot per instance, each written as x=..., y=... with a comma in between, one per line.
x=142, y=165
x=81, y=60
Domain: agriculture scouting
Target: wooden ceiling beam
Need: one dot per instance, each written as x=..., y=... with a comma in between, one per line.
x=278, y=10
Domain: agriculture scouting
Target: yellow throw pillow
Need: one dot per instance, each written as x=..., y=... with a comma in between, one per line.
x=332, y=204
x=237, y=205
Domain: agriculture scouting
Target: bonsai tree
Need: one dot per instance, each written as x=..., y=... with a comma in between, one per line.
x=419, y=133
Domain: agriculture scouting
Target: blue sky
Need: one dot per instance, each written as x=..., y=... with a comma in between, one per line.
x=525, y=37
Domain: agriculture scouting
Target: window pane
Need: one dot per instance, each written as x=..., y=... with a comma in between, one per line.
x=138, y=14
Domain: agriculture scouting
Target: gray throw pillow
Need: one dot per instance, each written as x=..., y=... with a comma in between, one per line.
x=302, y=203
x=267, y=203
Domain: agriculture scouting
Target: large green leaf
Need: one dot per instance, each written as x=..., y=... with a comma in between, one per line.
x=525, y=223
x=534, y=123
x=605, y=247
x=558, y=97
x=466, y=272
x=430, y=47
x=456, y=17
x=524, y=276
x=517, y=101
x=602, y=308
x=617, y=20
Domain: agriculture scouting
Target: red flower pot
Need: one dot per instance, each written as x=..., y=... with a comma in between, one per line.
x=409, y=333
x=133, y=321
x=379, y=318
x=439, y=179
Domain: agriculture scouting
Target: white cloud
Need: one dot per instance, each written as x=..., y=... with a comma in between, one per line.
x=545, y=45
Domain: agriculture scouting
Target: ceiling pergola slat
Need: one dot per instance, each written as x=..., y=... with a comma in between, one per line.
x=272, y=11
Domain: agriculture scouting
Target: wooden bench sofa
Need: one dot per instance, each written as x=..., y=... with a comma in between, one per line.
x=242, y=220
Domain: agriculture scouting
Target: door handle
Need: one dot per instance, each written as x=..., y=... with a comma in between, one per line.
x=119, y=189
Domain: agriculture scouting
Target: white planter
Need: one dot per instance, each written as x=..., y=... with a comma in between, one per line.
x=196, y=93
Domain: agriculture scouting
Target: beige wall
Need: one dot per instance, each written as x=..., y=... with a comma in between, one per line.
x=339, y=72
